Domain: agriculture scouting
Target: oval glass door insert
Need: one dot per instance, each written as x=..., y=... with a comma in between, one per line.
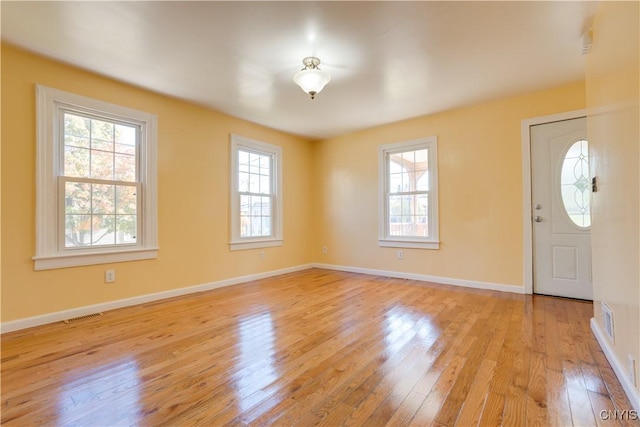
x=575, y=186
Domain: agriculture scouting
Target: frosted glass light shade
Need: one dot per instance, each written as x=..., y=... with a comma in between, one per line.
x=311, y=80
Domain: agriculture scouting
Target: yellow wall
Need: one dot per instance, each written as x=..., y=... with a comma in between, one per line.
x=330, y=189
x=613, y=98
x=193, y=179
x=480, y=190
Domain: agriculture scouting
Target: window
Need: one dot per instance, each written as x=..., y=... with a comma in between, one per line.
x=96, y=182
x=575, y=185
x=256, y=201
x=409, y=194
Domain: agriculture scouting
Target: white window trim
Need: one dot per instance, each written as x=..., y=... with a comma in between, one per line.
x=49, y=104
x=384, y=239
x=239, y=243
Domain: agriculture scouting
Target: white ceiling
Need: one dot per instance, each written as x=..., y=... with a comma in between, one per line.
x=388, y=60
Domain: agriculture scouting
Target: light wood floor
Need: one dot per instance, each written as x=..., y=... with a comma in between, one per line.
x=316, y=347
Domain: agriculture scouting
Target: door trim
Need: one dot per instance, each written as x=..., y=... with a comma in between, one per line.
x=527, y=230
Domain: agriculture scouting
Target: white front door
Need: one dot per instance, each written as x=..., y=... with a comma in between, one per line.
x=561, y=190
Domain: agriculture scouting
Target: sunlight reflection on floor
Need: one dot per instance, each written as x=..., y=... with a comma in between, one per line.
x=110, y=393
x=256, y=366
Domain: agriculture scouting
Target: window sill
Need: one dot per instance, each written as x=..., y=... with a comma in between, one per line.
x=254, y=244
x=80, y=259
x=390, y=243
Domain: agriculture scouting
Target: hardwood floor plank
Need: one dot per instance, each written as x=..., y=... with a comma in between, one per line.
x=429, y=409
x=616, y=392
x=536, y=411
x=601, y=403
x=492, y=413
x=581, y=410
x=457, y=396
x=558, y=409
x=474, y=403
x=316, y=347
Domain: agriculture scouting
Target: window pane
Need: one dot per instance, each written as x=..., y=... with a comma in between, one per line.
x=101, y=130
x=266, y=226
x=422, y=204
x=394, y=164
x=245, y=226
x=406, y=206
x=103, y=198
x=126, y=200
x=254, y=183
x=265, y=184
x=103, y=230
x=245, y=204
x=77, y=230
x=243, y=161
x=77, y=125
x=125, y=168
x=395, y=183
x=126, y=229
x=101, y=165
x=395, y=208
x=77, y=198
x=407, y=226
x=266, y=206
x=256, y=226
x=125, y=136
x=265, y=163
x=421, y=160
x=254, y=163
x=76, y=162
x=243, y=182
x=422, y=181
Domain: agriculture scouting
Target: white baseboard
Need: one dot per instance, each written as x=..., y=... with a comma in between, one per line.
x=29, y=322
x=426, y=278
x=620, y=371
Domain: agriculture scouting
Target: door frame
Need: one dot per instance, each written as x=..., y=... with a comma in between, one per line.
x=527, y=229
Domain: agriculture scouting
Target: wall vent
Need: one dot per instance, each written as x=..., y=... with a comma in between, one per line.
x=88, y=316
x=607, y=320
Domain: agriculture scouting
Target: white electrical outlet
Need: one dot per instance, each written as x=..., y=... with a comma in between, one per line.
x=324, y=250
x=632, y=370
x=261, y=254
x=400, y=254
x=109, y=276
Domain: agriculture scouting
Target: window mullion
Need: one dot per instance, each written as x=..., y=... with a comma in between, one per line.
x=99, y=181
x=409, y=193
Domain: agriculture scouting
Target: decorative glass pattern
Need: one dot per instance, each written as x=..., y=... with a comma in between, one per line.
x=575, y=185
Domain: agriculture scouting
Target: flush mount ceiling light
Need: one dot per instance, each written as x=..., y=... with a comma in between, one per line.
x=311, y=79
